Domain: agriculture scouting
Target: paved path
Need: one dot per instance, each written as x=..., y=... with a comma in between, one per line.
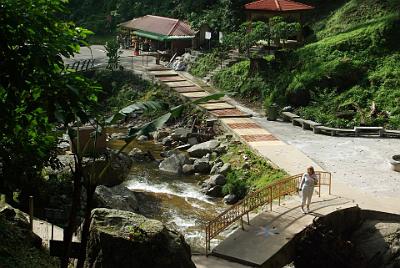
x=44, y=231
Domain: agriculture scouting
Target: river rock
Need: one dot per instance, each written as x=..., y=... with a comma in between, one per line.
x=216, y=167
x=224, y=170
x=181, y=134
x=139, y=156
x=202, y=166
x=183, y=147
x=117, y=197
x=215, y=191
x=118, y=136
x=159, y=135
x=193, y=141
x=167, y=141
x=116, y=171
x=217, y=180
x=230, y=199
x=143, y=138
x=125, y=239
x=188, y=169
x=201, y=149
x=174, y=163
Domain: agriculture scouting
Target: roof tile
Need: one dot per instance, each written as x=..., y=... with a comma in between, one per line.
x=277, y=5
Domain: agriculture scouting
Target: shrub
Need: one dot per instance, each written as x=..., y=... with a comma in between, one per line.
x=235, y=184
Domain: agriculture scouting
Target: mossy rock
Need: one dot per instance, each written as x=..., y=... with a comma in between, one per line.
x=125, y=239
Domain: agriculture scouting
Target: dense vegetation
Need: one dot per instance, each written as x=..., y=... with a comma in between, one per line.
x=346, y=76
x=249, y=171
x=102, y=16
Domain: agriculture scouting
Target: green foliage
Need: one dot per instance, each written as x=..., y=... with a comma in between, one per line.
x=113, y=54
x=205, y=64
x=237, y=80
x=235, y=184
x=247, y=174
x=35, y=92
x=248, y=34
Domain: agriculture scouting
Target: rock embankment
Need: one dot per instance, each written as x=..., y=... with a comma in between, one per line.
x=350, y=238
x=125, y=239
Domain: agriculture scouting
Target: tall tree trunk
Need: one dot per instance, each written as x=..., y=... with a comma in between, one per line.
x=85, y=230
x=76, y=202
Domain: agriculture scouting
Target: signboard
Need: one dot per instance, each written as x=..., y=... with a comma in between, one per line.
x=208, y=35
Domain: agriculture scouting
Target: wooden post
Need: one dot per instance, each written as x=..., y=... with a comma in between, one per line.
x=330, y=183
x=319, y=185
x=279, y=194
x=31, y=212
x=241, y=222
x=270, y=197
x=248, y=219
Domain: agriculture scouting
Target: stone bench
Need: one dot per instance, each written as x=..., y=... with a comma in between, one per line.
x=334, y=131
x=392, y=133
x=309, y=124
x=369, y=130
x=288, y=116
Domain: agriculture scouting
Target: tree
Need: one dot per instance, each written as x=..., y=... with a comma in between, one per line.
x=282, y=30
x=36, y=92
x=247, y=36
x=113, y=54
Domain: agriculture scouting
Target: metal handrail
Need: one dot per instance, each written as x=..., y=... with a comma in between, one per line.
x=263, y=196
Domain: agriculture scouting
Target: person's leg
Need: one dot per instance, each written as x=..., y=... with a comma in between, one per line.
x=303, y=199
x=309, y=196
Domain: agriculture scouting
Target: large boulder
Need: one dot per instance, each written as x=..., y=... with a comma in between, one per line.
x=116, y=171
x=125, y=239
x=174, y=163
x=215, y=191
x=217, y=180
x=117, y=197
x=201, y=149
x=202, y=165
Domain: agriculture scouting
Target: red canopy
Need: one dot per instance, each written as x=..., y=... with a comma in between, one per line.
x=277, y=6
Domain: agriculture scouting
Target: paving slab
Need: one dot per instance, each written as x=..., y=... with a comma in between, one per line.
x=270, y=231
x=188, y=89
x=195, y=94
x=173, y=78
x=250, y=131
x=217, y=106
x=158, y=73
x=180, y=84
x=202, y=261
x=229, y=113
x=236, y=120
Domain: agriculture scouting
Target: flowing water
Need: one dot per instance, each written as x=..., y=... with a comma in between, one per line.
x=172, y=199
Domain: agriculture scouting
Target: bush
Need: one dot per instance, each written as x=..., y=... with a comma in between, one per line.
x=205, y=64
x=235, y=184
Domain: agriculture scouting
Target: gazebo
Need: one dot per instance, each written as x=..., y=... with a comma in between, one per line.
x=265, y=9
x=158, y=33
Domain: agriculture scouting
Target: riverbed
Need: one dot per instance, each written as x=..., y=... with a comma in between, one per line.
x=175, y=200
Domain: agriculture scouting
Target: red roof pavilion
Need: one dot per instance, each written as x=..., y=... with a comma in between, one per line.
x=277, y=6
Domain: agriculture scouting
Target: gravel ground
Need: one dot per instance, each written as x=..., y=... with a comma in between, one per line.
x=362, y=163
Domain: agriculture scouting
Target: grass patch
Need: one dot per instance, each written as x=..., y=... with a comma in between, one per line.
x=249, y=171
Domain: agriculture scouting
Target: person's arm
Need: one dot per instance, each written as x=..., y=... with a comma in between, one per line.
x=302, y=182
x=315, y=179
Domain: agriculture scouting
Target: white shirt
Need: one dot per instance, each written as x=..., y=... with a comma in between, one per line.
x=308, y=181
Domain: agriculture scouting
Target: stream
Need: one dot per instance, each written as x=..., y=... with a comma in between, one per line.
x=173, y=199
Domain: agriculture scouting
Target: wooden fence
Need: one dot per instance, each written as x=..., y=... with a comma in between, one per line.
x=263, y=196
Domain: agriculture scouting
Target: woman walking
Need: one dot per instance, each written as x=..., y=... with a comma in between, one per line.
x=307, y=183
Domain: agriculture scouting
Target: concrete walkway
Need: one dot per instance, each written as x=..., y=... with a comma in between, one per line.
x=264, y=243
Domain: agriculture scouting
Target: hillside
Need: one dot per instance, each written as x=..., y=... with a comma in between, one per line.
x=346, y=75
